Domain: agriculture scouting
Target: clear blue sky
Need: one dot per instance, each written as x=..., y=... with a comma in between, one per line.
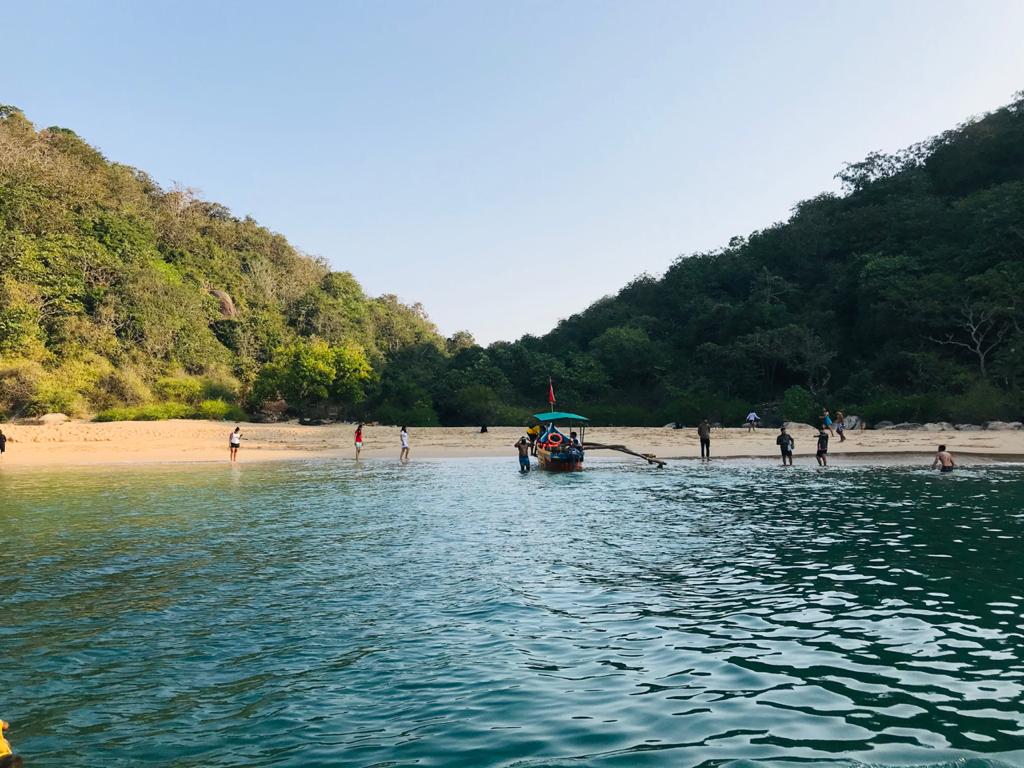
x=463, y=153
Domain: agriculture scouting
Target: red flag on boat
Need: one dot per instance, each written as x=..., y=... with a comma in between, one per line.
x=551, y=393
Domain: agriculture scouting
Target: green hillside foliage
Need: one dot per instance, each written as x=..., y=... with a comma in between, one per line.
x=121, y=298
x=899, y=299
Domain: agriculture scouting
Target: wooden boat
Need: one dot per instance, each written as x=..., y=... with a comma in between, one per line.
x=555, y=451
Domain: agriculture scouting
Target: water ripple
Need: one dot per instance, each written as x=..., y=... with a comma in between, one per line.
x=457, y=614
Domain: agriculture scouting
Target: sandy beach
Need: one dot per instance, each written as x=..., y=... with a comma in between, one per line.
x=82, y=443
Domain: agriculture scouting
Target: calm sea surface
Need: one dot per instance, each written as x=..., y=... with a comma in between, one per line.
x=453, y=613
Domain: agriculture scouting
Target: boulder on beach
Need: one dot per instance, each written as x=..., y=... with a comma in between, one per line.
x=792, y=425
x=938, y=426
x=884, y=425
x=968, y=427
x=52, y=418
x=853, y=422
x=1003, y=425
x=907, y=425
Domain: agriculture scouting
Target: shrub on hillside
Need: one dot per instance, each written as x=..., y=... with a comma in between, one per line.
x=121, y=386
x=219, y=410
x=19, y=382
x=149, y=412
x=179, y=389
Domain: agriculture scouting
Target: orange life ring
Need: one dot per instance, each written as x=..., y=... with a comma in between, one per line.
x=555, y=439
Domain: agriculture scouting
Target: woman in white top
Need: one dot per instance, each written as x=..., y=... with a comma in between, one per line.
x=235, y=440
x=404, y=437
x=752, y=419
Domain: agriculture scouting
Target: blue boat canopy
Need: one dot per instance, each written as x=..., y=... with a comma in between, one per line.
x=556, y=415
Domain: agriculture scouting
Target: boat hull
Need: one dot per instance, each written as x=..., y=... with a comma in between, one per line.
x=559, y=462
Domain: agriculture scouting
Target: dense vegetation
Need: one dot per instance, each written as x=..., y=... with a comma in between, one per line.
x=898, y=299
x=122, y=298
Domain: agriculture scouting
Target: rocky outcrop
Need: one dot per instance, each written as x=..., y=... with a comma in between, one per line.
x=884, y=425
x=853, y=422
x=794, y=425
x=52, y=418
x=969, y=427
x=907, y=426
x=1002, y=426
x=938, y=426
x=227, y=305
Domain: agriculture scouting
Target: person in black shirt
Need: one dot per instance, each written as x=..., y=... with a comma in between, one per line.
x=704, y=435
x=786, y=445
x=822, y=454
x=3, y=443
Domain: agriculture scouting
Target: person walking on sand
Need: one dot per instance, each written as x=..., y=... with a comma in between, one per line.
x=826, y=421
x=786, y=445
x=704, y=435
x=945, y=459
x=841, y=426
x=234, y=441
x=752, y=419
x=822, y=452
x=523, y=446
x=403, y=436
x=359, y=439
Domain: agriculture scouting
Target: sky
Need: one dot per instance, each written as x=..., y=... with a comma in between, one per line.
x=506, y=164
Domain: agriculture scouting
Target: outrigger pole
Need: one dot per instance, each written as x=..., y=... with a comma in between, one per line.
x=650, y=458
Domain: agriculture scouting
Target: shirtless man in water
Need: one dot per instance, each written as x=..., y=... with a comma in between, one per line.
x=944, y=458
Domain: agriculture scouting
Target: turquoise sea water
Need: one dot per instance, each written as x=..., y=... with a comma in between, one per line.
x=453, y=613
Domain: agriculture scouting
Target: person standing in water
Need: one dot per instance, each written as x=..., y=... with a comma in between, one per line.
x=234, y=441
x=822, y=453
x=359, y=440
x=945, y=459
x=403, y=436
x=704, y=435
x=752, y=419
x=523, y=446
x=786, y=445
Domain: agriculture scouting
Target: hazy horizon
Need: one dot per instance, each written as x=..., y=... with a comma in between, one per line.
x=507, y=166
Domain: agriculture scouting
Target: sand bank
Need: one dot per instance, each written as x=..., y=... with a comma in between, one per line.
x=203, y=441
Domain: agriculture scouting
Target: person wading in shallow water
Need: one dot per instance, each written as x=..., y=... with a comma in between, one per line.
x=403, y=436
x=234, y=441
x=786, y=445
x=359, y=440
x=704, y=435
x=523, y=446
x=822, y=453
x=945, y=459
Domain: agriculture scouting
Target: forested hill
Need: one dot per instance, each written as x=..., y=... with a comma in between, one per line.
x=902, y=298
x=117, y=294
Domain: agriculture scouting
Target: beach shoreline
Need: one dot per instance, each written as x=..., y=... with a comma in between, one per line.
x=81, y=443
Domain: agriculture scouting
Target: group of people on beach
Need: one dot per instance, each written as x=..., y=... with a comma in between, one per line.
x=235, y=442
x=527, y=444
x=787, y=445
